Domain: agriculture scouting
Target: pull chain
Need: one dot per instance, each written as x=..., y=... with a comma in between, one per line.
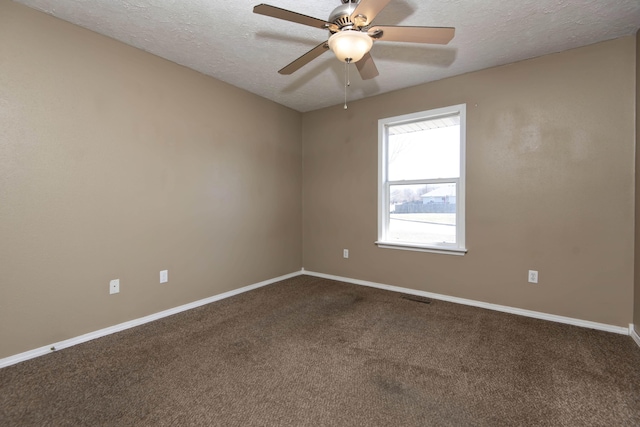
x=347, y=82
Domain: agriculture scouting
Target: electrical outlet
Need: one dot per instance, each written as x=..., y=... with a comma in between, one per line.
x=114, y=286
x=345, y=253
x=533, y=276
x=164, y=276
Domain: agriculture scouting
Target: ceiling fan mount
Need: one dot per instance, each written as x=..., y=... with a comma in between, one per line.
x=351, y=33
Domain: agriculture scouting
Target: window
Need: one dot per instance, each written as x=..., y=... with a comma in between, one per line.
x=421, y=167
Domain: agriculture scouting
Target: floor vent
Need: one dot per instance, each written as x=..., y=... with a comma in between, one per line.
x=417, y=298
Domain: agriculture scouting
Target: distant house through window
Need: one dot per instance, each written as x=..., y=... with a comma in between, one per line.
x=421, y=161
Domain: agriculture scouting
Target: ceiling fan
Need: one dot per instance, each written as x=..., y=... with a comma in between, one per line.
x=352, y=33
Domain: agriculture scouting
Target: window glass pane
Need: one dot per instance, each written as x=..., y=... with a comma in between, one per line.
x=428, y=149
x=423, y=213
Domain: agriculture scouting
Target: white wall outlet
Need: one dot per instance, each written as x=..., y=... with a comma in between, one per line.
x=345, y=253
x=533, y=276
x=114, y=286
x=164, y=276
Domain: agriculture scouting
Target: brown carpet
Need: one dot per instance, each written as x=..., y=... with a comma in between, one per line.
x=314, y=352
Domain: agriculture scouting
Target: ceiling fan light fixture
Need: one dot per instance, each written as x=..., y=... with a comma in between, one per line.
x=350, y=45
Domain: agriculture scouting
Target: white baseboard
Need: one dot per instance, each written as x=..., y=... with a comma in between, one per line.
x=12, y=360
x=634, y=334
x=496, y=307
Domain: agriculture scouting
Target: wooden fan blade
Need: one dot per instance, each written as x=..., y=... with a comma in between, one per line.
x=305, y=59
x=366, y=67
x=369, y=9
x=432, y=35
x=287, y=15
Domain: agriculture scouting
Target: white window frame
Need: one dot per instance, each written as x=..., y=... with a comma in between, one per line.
x=384, y=184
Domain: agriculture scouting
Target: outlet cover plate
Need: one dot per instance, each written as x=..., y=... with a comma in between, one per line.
x=114, y=286
x=533, y=276
x=164, y=276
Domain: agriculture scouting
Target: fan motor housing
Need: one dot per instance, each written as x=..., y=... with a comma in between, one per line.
x=341, y=15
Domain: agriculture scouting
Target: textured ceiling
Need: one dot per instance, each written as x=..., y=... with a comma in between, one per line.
x=226, y=40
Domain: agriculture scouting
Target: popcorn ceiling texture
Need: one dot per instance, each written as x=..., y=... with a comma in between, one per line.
x=226, y=40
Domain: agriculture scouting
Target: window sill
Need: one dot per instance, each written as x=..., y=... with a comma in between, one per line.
x=422, y=248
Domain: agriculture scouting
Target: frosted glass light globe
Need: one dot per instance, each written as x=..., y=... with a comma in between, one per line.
x=350, y=45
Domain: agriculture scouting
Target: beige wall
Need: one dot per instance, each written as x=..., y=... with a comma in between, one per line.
x=636, y=310
x=117, y=164
x=550, y=182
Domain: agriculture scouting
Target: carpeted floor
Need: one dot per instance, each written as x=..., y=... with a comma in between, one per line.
x=314, y=352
